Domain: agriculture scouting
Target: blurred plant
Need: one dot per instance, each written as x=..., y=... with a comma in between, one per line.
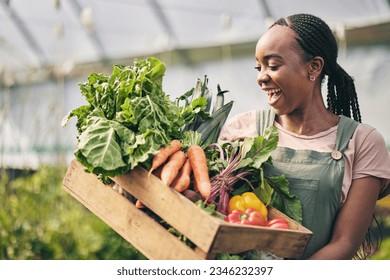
x=39, y=220
x=382, y=213
x=384, y=251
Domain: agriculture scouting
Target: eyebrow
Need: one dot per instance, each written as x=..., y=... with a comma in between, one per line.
x=269, y=56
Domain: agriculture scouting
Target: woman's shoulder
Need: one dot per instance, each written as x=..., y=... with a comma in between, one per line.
x=366, y=134
x=239, y=126
x=242, y=117
x=369, y=142
x=371, y=155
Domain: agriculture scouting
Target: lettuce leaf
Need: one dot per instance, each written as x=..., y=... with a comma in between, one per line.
x=98, y=146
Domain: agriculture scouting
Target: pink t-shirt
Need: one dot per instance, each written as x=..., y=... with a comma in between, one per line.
x=366, y=154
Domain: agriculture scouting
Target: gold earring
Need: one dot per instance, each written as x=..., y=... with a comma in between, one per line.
x=312, y=78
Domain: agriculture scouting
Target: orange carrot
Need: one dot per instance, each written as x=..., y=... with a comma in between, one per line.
x=139, y=204
x=157, y=172
x=198, y=161
x=183, y=180
x=172, y=167
x=164, y=153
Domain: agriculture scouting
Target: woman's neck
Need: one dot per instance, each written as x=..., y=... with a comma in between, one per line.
x=308, y=122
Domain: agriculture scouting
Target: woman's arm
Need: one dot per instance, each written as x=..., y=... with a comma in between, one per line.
x=352, y=220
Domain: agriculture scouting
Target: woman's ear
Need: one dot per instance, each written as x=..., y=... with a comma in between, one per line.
x=316, y=65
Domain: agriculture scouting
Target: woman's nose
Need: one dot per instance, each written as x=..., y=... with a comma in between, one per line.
x=262, y=78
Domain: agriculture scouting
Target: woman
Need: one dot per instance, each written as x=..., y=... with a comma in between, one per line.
x=337, y=166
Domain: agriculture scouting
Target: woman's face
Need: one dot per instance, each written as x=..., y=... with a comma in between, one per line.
x=282, y=73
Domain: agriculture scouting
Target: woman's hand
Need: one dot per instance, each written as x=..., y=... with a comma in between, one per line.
x=353, y=220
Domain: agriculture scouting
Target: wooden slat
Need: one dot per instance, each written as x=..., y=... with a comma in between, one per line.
x=140, y=230
x=174, y=208
x=281, y=242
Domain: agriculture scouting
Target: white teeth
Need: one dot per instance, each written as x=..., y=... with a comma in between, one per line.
x=272, y=91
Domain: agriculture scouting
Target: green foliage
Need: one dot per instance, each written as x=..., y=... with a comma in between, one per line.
x=384, y=251
x=383, y=216
x=208, y=122
x=246, y=165
x=39, y=220
x=128, y=117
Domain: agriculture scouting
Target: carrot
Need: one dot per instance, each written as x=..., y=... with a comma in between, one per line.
x=157, y=172
x=198, y=162
x=183, y=180
x=164, y=153
x=172, y=167
x=139, y=204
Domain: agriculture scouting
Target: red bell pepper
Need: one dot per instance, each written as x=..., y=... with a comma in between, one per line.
x=248, y=217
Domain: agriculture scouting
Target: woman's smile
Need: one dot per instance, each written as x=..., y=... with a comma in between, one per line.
x=273, y=95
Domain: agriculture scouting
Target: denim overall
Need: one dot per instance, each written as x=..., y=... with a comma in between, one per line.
x=314, y=177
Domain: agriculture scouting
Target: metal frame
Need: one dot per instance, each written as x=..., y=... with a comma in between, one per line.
x=92, y=35
x=27, y=36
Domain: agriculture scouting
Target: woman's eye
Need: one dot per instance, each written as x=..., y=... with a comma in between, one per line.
x=271, y=67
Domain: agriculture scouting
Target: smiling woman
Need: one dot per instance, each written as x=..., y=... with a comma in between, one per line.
x=337, y=166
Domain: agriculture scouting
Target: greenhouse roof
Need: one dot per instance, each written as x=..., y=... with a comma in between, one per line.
x=53, y=33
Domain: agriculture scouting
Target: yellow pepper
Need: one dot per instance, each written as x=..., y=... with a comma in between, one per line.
x=248, y=200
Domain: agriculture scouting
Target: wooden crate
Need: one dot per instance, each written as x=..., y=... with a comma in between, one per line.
x=211, y=235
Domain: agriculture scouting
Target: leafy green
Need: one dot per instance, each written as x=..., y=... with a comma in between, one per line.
x=190, y=138
x=227, y=257
x=128, y=117
x=209, y=208
x=283, y=199
x=181, y=237
x=263, y=146
x=244, y=165
x=98, y=146
x=200, y=92
x=209, y=121
x=273, y=190
x=211, y=127
x=264, y=191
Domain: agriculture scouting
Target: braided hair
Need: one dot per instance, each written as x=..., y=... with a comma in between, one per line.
x=316, y=39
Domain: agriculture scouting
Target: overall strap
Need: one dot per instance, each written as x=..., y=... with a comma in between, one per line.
x=345, y=131
x=264, y=119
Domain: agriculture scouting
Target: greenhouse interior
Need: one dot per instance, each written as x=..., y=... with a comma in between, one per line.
x=48, y=48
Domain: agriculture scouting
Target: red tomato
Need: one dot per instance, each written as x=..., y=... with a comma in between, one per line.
x=277, y=223
x=276, y=220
